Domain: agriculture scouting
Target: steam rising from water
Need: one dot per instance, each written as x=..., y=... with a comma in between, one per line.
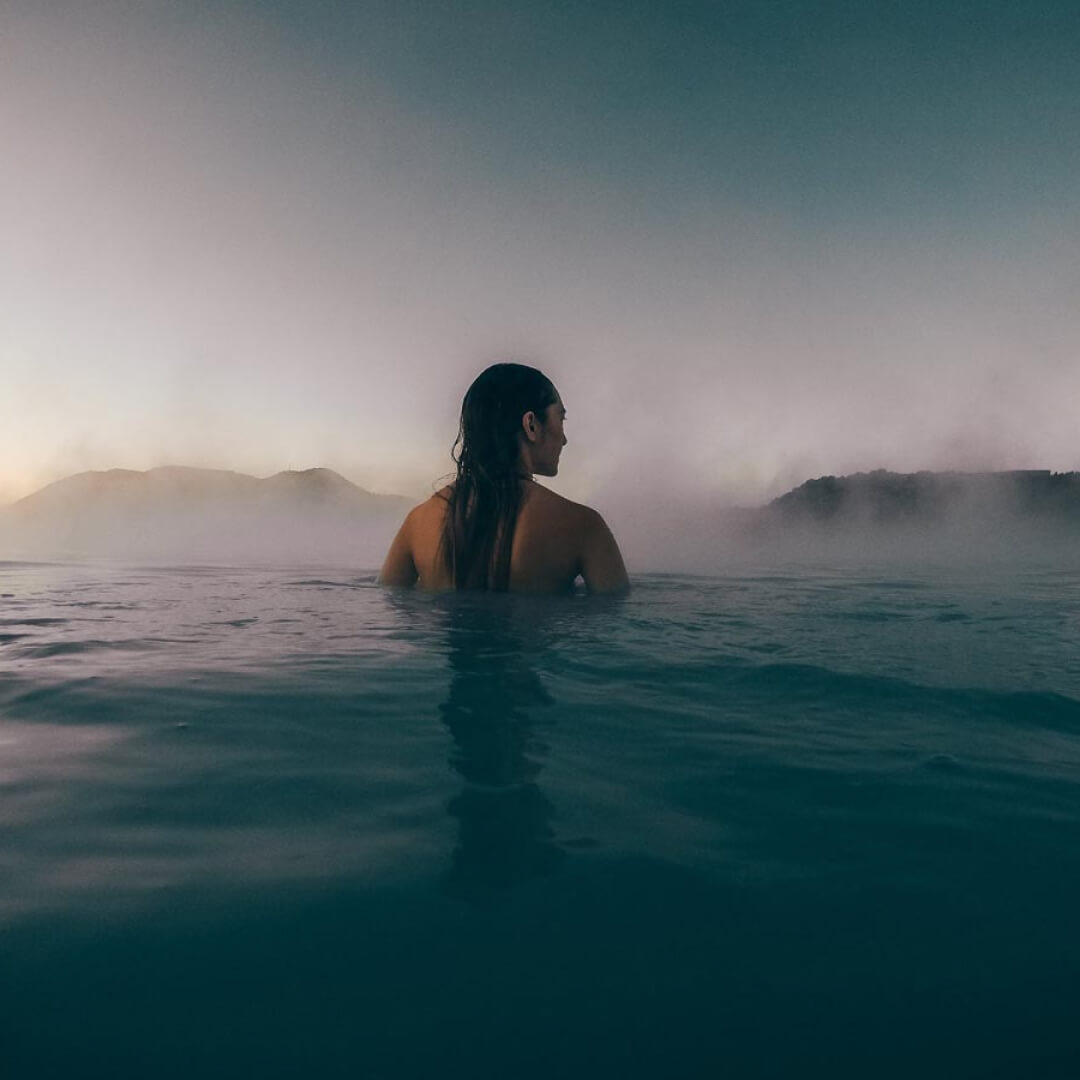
x=957, y=518
x=319, y=518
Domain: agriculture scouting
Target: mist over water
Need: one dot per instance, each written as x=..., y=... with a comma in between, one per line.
x=655, y=535
x=319, y=518
x=683, y=538
x=225, y=537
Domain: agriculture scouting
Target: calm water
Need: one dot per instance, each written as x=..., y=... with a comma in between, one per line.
x=808, y=823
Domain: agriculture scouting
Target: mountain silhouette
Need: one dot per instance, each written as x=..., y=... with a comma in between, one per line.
x=183, y=486
x=888, y=498
x=176, y=512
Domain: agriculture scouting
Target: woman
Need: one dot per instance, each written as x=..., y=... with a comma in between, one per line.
x=494, y=527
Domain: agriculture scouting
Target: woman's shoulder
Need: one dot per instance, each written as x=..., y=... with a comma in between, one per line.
x=553, y=498
x=424, y=515
x=437, y=500
x=557, y=508
x=433, y=507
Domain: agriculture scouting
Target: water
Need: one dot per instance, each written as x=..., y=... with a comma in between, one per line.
x=817, y=822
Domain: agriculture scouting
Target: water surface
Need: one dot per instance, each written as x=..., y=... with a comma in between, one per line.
x=813, y=821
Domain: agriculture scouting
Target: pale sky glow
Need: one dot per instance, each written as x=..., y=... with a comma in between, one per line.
x=262, y=236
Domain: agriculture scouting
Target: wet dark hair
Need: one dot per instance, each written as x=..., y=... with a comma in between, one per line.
x=483, y=503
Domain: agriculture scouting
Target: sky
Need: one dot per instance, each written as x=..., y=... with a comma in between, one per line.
x=751, y=242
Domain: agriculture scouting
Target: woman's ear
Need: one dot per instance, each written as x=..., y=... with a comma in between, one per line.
x=530, y=426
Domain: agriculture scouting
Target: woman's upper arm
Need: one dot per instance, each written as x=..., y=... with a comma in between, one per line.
x=601, y=561
x=399, y=567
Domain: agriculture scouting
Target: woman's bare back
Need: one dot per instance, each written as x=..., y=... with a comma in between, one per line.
x=555, y=541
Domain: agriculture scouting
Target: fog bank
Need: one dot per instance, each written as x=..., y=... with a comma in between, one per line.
x=317, y=517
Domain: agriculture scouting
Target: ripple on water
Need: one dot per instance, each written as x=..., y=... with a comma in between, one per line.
x=51, y=649
x=34, y=622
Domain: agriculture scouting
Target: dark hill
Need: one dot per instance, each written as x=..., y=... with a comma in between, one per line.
x=204, y=514
x=180, y=486
x=888, y=498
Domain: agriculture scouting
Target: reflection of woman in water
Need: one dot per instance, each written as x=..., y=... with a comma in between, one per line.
x=494, y=527
x=504, y=835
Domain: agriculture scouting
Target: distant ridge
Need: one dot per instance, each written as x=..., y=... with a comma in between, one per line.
x=882, y=497
x=178, y=512
x=130, y=488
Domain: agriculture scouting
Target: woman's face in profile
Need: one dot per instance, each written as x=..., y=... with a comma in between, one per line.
x=546, y=451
